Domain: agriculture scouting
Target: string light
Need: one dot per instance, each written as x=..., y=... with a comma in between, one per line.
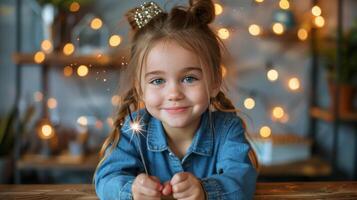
x=302, y=34
x=114, y=40
x=46, y=46
x=110, y=121
x=249, y=103
x=68, y=49
x=52, y=103
x=223, y=33
x=254, y=30
x=67, y=71
x=224, y=71
x=278, y=112
x=319, y=21
x=39, y=57
x=38, y=96
x=74, y=7
x=82, y=120
x=294, y=83
x=272, y=75
x=284, y=4
x=96, y=23
x=316, y=11
x=82, y=70
x=218, y=9
x=116, y=100
x=265, y=131
x=45, y=130
x=278, y=28
x=99, y=124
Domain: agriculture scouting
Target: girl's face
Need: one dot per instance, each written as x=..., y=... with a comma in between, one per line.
x=174, y=89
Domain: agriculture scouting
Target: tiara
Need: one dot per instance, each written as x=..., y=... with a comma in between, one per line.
x=145, y=13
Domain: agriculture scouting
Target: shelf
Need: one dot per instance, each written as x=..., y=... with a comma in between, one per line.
x=60, y=162
x=313, y=167
x=102, y=60
x=328, y=115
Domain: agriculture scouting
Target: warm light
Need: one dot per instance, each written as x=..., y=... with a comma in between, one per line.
x=96, y=23
x=265, y=131
x=224, y=71
x=38, y=96
x=82, y=120
x=223, y=33
x=68, y=71
x=278, y=112
x=218, y=9
x=82, y=70
x=254, y=29
x=319, y=21
x=46, y=46
x=52, y=103
x=114, y=40
x=39, y=57
x=278, y=28
x=99, y=124
x=110, y=121
x=68, y=49
x=116, y=100
x=284, y=4
x=46, y=131
x=302, y=34
x=259, y=1
x=249, y=103
x=74, y=7
x=272, y=75
x=294, y=83
x=316, y=11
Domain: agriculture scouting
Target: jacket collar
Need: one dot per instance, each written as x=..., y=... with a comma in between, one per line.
x=202, y=142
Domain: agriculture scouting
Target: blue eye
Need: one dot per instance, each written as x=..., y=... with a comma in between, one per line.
x=189, y=79
x=157, y=81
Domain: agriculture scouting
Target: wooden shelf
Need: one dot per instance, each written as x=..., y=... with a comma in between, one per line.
x=328, y=115
x=313, y=167
x=61, y=162
x=102, y=60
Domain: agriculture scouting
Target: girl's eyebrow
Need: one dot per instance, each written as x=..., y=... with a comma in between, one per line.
x=158, y=72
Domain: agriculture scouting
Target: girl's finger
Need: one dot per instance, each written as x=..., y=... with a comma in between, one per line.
x=179, y=177
x=183, y=194
x=167, y=189
x=148, y=192
x=149, y=182
x=180, y=187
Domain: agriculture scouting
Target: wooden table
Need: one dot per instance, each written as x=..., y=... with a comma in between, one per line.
x=276, y=191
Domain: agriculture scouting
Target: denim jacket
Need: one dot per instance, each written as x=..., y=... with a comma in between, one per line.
x=218, y=156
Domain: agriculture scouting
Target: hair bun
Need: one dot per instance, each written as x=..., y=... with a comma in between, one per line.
x=203, y=10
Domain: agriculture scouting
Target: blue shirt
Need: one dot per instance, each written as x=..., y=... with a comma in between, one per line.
x=218, y=156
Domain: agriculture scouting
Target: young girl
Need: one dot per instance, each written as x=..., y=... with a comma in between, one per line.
x=191, y=144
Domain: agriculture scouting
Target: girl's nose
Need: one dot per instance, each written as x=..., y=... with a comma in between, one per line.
x=175, y=93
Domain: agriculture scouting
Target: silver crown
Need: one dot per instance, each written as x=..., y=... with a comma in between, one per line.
x=145, y=13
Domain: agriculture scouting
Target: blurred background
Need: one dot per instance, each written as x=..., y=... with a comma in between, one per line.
x=291, y=72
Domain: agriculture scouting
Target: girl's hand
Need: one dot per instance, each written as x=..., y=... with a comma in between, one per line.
x=146, y=187
x=186, y=186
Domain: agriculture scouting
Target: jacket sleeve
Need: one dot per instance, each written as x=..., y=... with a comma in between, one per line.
x=236, y=176
x=116, y=172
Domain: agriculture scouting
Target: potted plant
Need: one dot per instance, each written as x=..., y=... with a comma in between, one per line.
x=347, y=79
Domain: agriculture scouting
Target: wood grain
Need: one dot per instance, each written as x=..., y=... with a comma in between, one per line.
x=269, y=191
